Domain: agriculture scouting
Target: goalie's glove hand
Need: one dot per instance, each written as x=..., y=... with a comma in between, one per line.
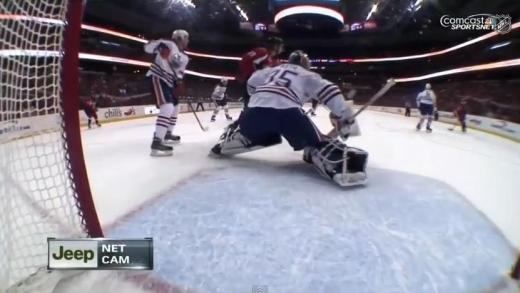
x=342, y=126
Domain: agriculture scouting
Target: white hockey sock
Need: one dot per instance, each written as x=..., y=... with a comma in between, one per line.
x=429, y=123
x=421, y=121
x=163, y=120
x=173, y=118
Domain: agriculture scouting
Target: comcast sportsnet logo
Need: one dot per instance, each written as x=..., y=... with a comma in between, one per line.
x=484, y=22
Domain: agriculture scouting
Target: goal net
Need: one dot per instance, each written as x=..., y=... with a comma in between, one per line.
x=43, y=185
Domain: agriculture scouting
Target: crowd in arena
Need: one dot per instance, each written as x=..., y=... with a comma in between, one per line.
x=489, y=98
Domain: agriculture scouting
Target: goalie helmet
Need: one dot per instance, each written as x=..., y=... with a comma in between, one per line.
x=181, y=37
x=299, y=57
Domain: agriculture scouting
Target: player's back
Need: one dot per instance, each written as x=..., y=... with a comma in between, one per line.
x=283, y=86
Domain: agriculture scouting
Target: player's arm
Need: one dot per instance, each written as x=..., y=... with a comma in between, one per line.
x=434, y=99
x=258, y=78
x=418, y=99
x=330, y=95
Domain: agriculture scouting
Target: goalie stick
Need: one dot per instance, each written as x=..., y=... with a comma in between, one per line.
x=204, y=128
x=389, y=84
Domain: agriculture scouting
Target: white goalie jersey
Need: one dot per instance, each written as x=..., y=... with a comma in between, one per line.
x=172, y=67
x=290, y=86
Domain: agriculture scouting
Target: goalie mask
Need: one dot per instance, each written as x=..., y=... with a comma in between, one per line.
x=335, y=160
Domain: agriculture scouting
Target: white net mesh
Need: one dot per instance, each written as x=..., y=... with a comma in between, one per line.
x=37, y=197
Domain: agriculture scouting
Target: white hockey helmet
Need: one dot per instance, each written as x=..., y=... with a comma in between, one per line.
x=428, y=86
x=181, y=37
x=224, y=82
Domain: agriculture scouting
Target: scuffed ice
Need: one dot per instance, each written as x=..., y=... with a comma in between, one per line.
x=284, y=227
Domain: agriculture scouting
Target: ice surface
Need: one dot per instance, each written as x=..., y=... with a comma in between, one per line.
x=284, y=227
x=281, y=225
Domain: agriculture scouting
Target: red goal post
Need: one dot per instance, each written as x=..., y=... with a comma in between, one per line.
x=44, y=187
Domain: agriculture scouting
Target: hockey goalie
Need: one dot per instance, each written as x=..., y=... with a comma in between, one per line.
x=275, y=110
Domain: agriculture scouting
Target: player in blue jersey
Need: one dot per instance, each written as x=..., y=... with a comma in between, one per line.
x=426, y=102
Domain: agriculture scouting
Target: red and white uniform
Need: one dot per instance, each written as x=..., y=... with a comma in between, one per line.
x=252, y=60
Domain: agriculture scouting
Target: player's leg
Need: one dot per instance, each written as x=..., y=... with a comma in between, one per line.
x=215, y=112
x=245, y=100
x=422, y=110
x=96, y=119
x=258, y=129
x=463, y=123
x=89, y=122
x=170, y=138
x=332, y=158
x=226, y=110
x=159, y=148
x=314, y=107
x=429, y=115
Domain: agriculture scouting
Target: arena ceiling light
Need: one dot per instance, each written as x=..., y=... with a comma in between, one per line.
x=343, y=60
x=308, y=9
x=104, y=58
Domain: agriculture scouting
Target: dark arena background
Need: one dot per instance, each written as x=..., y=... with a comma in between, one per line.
x=439, y=212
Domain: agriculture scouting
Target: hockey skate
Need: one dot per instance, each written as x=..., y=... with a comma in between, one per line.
x=213, y=118
x=159, y=149
x=429, y=130
x=418, y=127
x=229, y=118
x=171, y=139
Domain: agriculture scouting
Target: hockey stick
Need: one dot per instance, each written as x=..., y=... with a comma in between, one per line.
x=204, y=128
x=389, y=84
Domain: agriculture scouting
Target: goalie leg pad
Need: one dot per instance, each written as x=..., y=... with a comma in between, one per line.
x=233, y=142
x=335, y=160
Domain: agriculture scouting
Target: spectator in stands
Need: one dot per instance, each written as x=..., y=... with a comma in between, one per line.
x=460, y=115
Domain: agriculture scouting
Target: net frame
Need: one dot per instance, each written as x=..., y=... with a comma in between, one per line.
x=44, y=187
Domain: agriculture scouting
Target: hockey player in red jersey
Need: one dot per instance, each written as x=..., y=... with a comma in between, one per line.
x=258, y=58
x=253, y=60
x=460, y=114
x=91, y=112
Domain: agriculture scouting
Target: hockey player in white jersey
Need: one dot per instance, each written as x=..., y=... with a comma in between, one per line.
x=219, y=98
x=166, y=72
x=426, y=102
x=277, y=95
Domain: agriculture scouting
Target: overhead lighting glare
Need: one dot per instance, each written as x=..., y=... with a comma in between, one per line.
x=96, y=57
x=242, y=13
x=500, y=45
x=372, y=11
x=308, y=9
